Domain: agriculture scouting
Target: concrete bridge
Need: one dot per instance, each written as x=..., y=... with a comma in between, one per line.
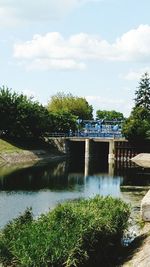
x=107, y=145
x=94, y=148
x=103, y=149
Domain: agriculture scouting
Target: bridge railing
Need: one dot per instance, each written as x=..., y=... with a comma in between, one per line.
x=99, y=134
x=57, y=135
x=83, y=134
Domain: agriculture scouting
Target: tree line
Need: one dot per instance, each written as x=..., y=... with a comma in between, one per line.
x=22, y=116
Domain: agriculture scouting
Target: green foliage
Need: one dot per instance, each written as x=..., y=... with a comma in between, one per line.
x=143, y=92
x=67, y=236
x=22, y=117
x=140, y=222
x=137, y=126
x=63, y=121
x=109, y=115
x=6, y=254
x=77, y=106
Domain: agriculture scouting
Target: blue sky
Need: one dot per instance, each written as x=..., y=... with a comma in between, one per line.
x=97, y=49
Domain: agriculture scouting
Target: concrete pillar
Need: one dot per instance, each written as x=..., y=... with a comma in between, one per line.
x=111, y=155
x=111, y=168
x=86, y=166
x=88, y=154
x=88, y=148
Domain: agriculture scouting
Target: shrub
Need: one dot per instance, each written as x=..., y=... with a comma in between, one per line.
x=67, y=236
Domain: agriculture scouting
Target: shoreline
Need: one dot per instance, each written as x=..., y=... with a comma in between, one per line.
x=29, y=157
x=139, y=252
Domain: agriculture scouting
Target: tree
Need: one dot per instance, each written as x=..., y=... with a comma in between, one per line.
x=20, y=116
x=77, y=106
x=109, y=115
x=137, y=127
x=143, y=92
x=64, y=121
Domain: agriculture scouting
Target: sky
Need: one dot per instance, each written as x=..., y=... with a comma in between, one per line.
x=97, y=49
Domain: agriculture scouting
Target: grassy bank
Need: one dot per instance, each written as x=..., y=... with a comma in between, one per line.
x=10, y=145
x=7, y=147
x=71, y=235
x=14, y=151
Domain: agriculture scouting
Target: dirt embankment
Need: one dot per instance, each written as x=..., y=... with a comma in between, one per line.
x=28, y=156
x=139, y=255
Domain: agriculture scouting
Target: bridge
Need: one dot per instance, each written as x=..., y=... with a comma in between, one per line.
x=90, y=143
x=93, y=148
x=108, y=149
x=95, y=128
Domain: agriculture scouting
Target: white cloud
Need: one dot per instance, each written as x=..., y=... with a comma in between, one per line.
x=53, y=50
x=136, y=74
x=53, y=45
x=55, y=64
x=134, y=45
x=26, y=10
x=103, y=103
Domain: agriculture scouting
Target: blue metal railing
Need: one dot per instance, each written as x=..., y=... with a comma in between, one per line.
x=87, y=134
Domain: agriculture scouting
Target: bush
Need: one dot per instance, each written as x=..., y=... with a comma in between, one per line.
x=136, y=127
x=20, y=116
x=67, y=236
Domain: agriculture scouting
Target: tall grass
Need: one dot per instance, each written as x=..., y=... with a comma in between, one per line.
x=67, y=236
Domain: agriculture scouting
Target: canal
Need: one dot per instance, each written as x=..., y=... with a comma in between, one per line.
x=45, y=185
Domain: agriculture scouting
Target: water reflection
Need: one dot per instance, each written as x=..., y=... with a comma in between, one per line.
x=52, y=176
x=133, y=175
x=42, y=187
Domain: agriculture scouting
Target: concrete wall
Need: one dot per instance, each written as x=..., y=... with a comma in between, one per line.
x=60, y=143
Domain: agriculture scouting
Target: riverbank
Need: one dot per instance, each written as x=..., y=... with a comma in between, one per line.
x=138, y=254
x=25, y=156
x=13, y=154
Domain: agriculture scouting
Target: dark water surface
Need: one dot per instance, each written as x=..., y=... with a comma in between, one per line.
x=43, y=186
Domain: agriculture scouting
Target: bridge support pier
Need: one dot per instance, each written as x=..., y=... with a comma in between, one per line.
x=111, y=155
x=88, y=148
x=88, y=154
x=111, y=168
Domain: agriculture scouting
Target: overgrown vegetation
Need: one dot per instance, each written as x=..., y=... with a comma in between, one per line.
x=68, y=236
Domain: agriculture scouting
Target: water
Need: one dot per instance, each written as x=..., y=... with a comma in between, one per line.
x=42, y=187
